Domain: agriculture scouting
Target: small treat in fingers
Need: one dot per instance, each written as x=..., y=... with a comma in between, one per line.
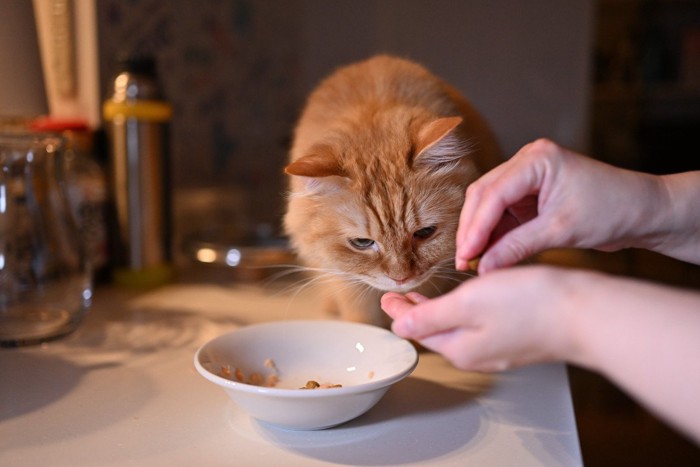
x=473, y=264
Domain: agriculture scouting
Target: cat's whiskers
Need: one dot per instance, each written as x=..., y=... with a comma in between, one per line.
x=434, y=285
x=362, y=291
x=314, y=277
x=452, y=275
x=444, y=271
x=343, y=282
x=318, y=277
x=286, y=271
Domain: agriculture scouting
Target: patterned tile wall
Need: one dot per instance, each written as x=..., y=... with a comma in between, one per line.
x=229, y=69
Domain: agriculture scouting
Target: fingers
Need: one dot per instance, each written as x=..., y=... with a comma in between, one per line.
x=492, y=259
x=439, y=332
x=487, y=203
x=400, y=309
x=472, y=237
x=516, y=190
x=396, y=305
x=520, y=243
x=416, y=298
x=416, y=320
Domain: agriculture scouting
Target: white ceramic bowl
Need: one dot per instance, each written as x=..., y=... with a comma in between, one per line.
x=365, y=360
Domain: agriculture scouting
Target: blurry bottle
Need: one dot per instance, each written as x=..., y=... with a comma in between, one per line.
x=137, y=120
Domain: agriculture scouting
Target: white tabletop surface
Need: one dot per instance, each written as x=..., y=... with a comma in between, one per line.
x=122, y=391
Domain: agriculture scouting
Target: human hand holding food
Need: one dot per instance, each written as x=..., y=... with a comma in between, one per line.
x=546, y=196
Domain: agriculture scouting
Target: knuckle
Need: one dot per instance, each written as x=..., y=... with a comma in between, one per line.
x=545, y=145
x=542, y=149
x=475, y=189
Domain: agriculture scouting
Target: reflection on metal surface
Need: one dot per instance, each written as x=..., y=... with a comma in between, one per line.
x=241, y=256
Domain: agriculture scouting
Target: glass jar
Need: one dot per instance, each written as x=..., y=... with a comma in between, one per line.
x=45, y=279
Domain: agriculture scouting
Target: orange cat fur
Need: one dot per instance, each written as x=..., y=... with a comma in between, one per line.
x=381, y=158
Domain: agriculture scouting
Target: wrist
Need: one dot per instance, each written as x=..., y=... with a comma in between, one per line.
x=672, y=217
x=580, y=318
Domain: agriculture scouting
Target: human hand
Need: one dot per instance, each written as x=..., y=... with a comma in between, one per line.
x=546, y=196
x=642, y=336
x=501, y=320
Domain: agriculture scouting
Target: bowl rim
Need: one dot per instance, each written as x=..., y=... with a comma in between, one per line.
x=369, y=386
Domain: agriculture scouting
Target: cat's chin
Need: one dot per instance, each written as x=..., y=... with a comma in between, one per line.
x=399, y=288
x=403, y=288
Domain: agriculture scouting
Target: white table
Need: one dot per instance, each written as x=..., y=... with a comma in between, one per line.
x=122, y=391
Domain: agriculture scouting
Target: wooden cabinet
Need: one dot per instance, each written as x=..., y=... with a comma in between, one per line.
x=646, y=98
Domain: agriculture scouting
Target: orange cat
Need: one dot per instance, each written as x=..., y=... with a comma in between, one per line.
x=381, y=159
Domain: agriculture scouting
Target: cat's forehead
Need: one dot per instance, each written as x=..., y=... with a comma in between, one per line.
x=392, y=207
x=379, y=129
x=380, y=159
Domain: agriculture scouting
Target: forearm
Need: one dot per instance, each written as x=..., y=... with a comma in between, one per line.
x=646, y=338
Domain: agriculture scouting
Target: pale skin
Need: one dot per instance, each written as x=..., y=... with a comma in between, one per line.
x=643, y=336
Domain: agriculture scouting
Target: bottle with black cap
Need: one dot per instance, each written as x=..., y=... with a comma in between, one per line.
x=137, y=119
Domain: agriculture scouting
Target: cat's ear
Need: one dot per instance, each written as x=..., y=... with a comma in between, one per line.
x=321, y=161
x=436, y=143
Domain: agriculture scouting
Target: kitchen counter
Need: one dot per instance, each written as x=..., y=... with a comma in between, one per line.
x=122, y=390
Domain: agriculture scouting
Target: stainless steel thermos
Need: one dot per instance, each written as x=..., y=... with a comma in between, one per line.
x=137, y=120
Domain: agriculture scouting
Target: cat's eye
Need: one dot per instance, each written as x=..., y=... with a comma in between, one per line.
x=425, y=232
x=361, y=243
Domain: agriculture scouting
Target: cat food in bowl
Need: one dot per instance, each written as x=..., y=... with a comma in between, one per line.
x=306, y=375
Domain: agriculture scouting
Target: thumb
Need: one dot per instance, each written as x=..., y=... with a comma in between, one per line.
x=516, y=245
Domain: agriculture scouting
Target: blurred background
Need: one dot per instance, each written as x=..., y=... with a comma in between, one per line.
x=617, y=79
